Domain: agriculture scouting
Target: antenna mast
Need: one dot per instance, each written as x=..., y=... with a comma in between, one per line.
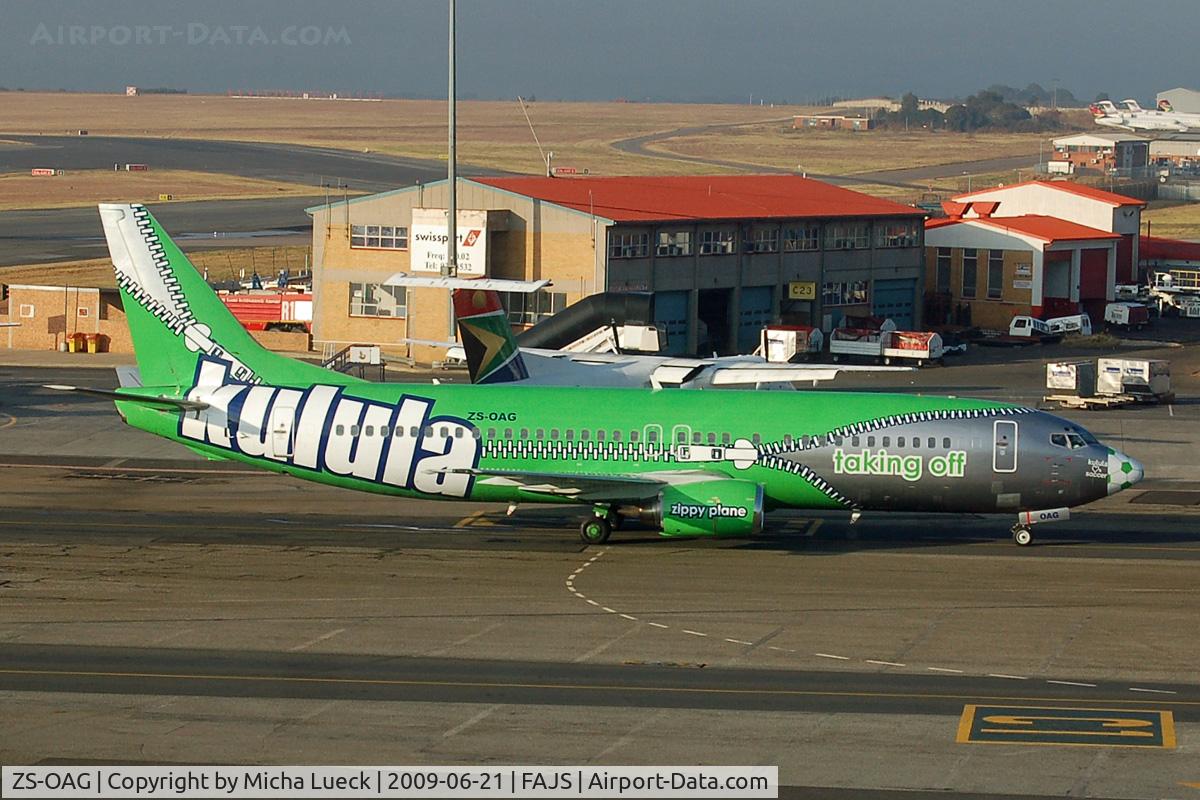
x=451, y=267
x=525, y=111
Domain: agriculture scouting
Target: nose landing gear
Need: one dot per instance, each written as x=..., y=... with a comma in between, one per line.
x=1022, y=534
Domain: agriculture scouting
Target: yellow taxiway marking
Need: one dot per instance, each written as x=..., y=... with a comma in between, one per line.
x=1025, y=725
x=11, y=421
x=1190, y=784
x=470, y=519
x=700, y=690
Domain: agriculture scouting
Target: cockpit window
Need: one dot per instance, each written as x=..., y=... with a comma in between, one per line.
x=1087, y=437
x=1071, y=441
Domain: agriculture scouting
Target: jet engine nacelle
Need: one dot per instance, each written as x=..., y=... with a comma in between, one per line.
x=707, y=508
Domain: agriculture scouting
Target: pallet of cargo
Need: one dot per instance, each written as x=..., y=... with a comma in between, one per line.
x=1095, y=401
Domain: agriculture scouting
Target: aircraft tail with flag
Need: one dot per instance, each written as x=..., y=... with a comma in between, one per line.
x=491, y=351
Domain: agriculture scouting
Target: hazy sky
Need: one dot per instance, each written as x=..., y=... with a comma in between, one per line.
x=686, y=50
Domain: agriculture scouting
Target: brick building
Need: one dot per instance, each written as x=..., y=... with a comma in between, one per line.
x=48, y=315
x=723, y=255
x=1102, y=152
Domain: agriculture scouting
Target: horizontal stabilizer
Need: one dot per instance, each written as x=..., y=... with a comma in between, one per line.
x=154, y=400
x=492, y=284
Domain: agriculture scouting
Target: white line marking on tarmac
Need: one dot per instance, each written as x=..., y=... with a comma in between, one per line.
x=739, y=641
x=1073, y=683
x=317, y=640
x=1009, y=677
x=831, y=655
x=658, y=625
x=945, y=669
x=693, y=633
x=593, y=602
x=609, y=610
x=627, y=616
x=462, y=726
x=780, y=649
x=885, y=663
x=1150, y=691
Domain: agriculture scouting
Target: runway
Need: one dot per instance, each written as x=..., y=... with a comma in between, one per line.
x=312, y=676
x=34, y=236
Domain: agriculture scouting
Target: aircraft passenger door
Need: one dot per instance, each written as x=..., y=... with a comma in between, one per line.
x=1004, y=446
x=283, y=431
x=652, y=440
x=681, y=436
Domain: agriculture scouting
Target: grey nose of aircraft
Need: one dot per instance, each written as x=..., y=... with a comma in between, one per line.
x=1123, y=471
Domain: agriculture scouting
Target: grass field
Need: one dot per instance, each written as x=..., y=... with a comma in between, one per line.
x=87, y=187
x=495, y=134
x=490, y=133
x=1173, y=221
x=220, y=264
x=844, y=153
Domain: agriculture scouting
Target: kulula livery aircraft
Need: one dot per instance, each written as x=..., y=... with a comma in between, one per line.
x=686, y=462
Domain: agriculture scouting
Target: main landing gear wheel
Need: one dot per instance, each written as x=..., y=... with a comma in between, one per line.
x=1022, y=535
x=595, y=530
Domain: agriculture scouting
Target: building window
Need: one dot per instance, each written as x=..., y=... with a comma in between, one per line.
x=765, y=240
x=529, y=308
x=896, y=234
x=628, y=245
x=716, y=242
x=803, y=237
x=385, y=237
x=942, y=273
x=844, y=293
x=995, y=286
x=27, y=311
x=674, y=243
x=377, y=300
x=847, y=236
x=970, y=271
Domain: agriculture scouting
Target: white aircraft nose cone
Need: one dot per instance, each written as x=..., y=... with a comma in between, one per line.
x=1123, y=471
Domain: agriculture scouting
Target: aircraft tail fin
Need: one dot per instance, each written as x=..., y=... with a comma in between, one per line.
x=492, y=352
x=175, y=318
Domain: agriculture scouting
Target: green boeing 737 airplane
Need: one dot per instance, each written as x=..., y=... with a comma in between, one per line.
x=687, y=462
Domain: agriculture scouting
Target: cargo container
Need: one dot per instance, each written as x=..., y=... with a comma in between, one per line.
x=783, y=343
x=1145, y=379
x=1075, y=377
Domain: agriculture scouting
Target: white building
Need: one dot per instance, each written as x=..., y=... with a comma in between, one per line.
x=1074, y=202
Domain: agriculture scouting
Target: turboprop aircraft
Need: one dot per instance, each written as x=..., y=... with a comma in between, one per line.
x=493, y=356
x=687, y=463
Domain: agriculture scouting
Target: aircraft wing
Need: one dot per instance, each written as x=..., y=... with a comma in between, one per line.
x=736, y=374
x=584, y=487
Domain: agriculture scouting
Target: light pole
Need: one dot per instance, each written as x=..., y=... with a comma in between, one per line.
x=450, y=268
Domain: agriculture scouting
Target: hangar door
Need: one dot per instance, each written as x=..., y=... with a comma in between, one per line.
x=895, y=298
x=753, y=315
x=671, y=315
